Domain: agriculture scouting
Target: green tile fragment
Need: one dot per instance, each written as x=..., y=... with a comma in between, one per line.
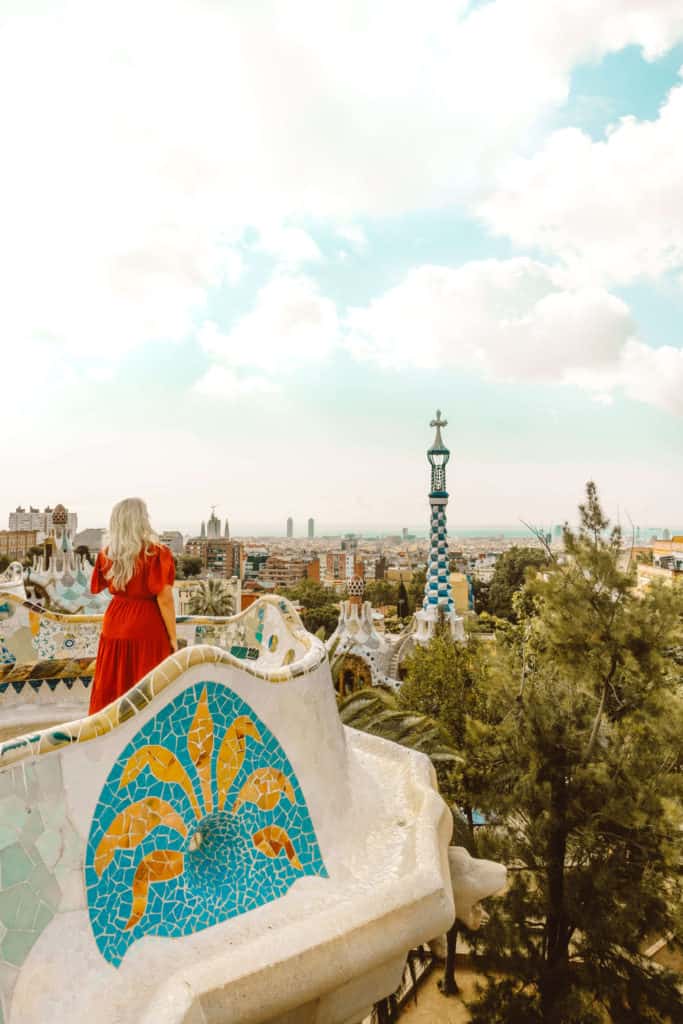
x=16, y=946
x=10, y=901
x=15, y=865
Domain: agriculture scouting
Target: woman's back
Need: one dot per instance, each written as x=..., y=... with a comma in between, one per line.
x=152, y=572
x=138, y=629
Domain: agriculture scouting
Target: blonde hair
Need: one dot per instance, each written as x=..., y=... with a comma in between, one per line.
x=130, y=537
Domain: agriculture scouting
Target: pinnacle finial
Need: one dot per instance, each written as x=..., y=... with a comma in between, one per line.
x=438, y=423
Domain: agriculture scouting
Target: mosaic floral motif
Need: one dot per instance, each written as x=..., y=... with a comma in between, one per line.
x=53, y=638
x=201, y=819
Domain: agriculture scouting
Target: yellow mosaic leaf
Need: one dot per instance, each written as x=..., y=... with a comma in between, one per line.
x=158, y=866
x=231, y=754
x=132, y=825
x=264, y=787
x=164, y=766
x=272, y=840
x=200, y=747
x=34, y=623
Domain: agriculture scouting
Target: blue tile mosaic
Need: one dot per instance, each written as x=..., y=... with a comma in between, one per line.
x=201, y=819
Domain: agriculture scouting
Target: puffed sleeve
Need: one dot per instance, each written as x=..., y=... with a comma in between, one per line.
x=98, y=580
x=161, y=570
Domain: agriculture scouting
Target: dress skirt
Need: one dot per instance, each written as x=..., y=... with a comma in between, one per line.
x=133, y=641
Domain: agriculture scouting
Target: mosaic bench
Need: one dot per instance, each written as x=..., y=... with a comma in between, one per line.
x=216, y=847
x=47, y=659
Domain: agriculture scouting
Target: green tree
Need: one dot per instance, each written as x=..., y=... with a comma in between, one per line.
x=324, y=617
x=188, y=566
x=480, y=591
x=416, y=590
x=447, y=681
x=311, y=594
x=35, y=551
x=584, y=782
x=381, y=592
x=212, y=597
x=402, y=604
x=4, y=562
x=319, y=605
x=508, y=577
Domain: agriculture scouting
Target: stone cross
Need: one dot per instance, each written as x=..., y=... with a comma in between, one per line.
x=438, y=422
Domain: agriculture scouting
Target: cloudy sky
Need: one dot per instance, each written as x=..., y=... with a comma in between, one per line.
x=247, y=247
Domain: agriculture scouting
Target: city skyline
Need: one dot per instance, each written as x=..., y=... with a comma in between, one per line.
x=485, y=215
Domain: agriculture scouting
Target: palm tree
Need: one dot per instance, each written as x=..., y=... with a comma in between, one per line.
x=212, y=597
x=376, y=711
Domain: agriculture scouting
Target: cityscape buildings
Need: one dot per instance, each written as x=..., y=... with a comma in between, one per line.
x=33, y=519
x=173, y=539
x=219, y=557
x=15, y=544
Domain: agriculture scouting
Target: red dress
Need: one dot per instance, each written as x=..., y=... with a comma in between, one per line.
x=134, y=637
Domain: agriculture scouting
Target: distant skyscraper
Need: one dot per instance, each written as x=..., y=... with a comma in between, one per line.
x=311, y=529
x=202, y=529
x=290, y=527
x=226, y=532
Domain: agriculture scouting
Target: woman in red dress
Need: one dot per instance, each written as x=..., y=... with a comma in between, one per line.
x=138, y=630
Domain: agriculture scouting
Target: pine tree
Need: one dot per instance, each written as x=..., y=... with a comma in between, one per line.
x=447, y=681
x=584, y=786
x=508, y=578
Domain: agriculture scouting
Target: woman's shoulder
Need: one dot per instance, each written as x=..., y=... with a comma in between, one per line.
x=159, y=550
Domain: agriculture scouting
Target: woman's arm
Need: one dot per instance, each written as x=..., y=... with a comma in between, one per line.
x=167, y=609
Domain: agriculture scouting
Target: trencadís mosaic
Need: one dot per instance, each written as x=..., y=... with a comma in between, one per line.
x=201, y=819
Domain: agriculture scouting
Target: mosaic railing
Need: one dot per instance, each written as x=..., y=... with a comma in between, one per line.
x=47, y=658
x=216, y=846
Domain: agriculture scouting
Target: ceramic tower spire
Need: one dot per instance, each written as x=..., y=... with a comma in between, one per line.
x=438, y=584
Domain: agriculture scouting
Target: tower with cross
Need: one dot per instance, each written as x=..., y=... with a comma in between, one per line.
x=438, y=598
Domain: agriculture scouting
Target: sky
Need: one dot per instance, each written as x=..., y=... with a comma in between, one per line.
x=247, y=248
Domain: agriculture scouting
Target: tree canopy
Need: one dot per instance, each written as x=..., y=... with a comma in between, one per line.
x=508, y=577
x=583, y=780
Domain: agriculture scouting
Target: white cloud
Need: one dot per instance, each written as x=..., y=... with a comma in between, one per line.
x=222, y=382
x=291, y=246
x=611, y=209
x=653, y=375
x=290, y=324
x=138, y=142
x=354, y=235
x=516, y=320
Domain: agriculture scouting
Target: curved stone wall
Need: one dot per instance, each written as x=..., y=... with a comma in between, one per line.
x=216, y=846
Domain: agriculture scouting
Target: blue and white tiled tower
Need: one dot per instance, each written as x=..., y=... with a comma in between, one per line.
x=438, y=599
x=438, y=584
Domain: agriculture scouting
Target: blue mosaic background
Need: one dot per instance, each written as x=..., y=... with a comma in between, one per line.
x=226, y=876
